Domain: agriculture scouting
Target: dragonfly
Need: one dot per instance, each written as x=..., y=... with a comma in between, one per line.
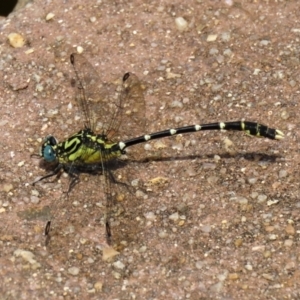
x=108, y=116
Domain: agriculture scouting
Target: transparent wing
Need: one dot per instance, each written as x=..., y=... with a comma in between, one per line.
x=109, y=109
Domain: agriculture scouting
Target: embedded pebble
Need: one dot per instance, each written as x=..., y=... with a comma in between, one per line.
x=7, y=187
x=108, y=253
x=16, y=40
x=73, y=271
x=135, y=182
x=149, y=215
x=98, y=286
x=35, y=193
x=119, y=265
x=143, y=249
x=289, y=229
x=264, y=42
x=288, y=243
x=268, y=276
x=213, y=51
x=162, y=234
x=212, y=179
x=206, y=228
x=233, y=276
x=227, y=52
x=39, y=87
x=254, y=195
x=27, y=256
x=225, y=36
x=34, y=200
x=261, y=198
x=181, y=24
x=242, y=200
x=238, y=242
x=117, y=275
x=199, y=264
x=252, y=180
x=174, y=216
x=50, y=16
x=211, y=37
x=272, y=202
x=79, y=49
x=284, y=115
x=282, y=173
x=272, y=237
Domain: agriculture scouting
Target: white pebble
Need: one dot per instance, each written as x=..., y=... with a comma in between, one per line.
x=181, y=24
x=288, y=243
x=73, y=271
x=79, y=49
x=174, y=216
x=119, y=265
x=16, y=40
x=50, y=16
x=282, y=173
x=206, y=228
x=211, y=37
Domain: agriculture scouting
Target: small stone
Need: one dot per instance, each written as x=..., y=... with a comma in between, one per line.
x=264, y=42
x=117, y=275
x=241, y=200
x=150, y=216
x=7, y=187
x=181, y=24
x=225, y=36
x=21, y=163
x=288, y=243
x=211, y=37
x=238, y=242
x=73, y=271
x=252, y=180
x=93, y=19
x=162, y=234
x=119, y=265
x=143, y=249
x=27, y=256
x=34, y=199
x=272, y=202
x=289, y=229
x=50, y=16
x=98, y=286
x=267, y=254
x=282, y=173
x=284, y=115
x=212, y=179
x=268, y=276
x=269, y=228
x=16, y=40
x=199, y=265
x=174, y=217
x=79, y=49
x=109, y=253
x=233, y=276
x=206, y=228
x=261, y=198
x=272, y=237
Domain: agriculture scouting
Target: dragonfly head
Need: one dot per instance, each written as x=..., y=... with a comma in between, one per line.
x=47, y=150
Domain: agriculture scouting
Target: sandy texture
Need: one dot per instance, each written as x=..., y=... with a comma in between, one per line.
x=212, y=215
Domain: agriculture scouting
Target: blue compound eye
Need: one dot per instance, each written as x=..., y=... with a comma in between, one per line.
x=49, y=153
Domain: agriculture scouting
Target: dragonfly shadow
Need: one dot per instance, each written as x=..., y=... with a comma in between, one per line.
x=250, y=156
